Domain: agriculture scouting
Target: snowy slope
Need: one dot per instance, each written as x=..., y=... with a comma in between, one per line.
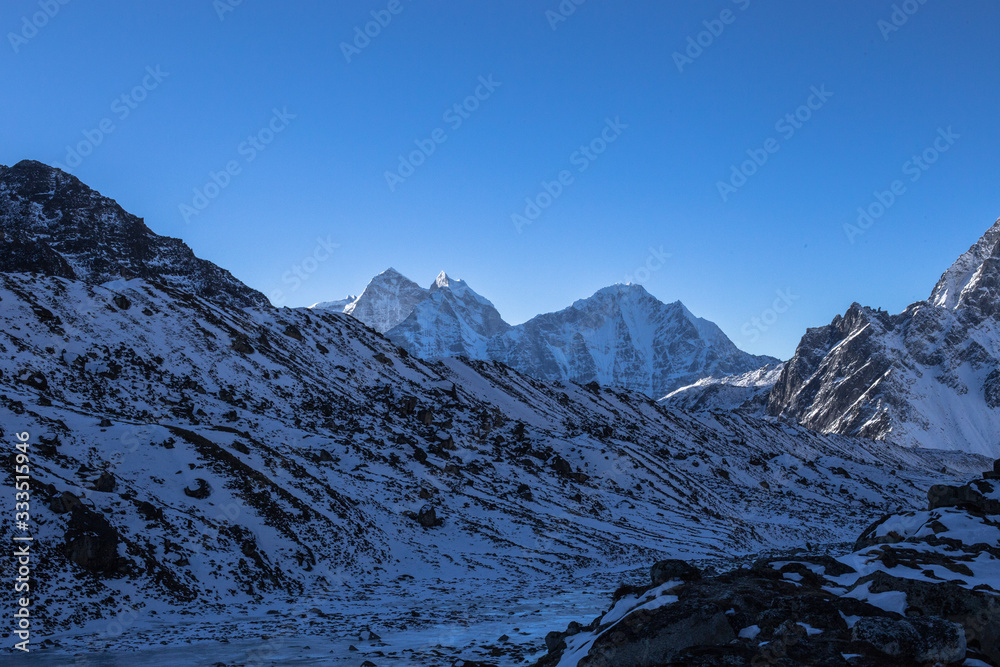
x=929, y=376
x=293, y=417
x=745, y=392
x=337, y=306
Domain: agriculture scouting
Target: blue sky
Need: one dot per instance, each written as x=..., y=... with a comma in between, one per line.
x=209, y=85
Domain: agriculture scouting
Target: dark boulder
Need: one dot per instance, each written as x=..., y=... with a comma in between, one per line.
x=920, y=640
x=64, y=503
x=243, y=346
x=202, y=491
x=561, y=466
x=971, y=497
x=106, y=483
x=293, y=331
x=91, y=542
x=428, y=518
x=673, y=570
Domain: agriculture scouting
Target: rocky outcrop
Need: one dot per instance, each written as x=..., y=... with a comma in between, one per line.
x=921, y=588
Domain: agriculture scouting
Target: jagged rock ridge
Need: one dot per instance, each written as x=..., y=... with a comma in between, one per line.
x=52, y=224
x=928, y=376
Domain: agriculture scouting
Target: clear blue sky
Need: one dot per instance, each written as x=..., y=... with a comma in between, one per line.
x=656, y=185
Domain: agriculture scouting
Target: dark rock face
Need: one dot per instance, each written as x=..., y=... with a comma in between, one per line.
x=980, y=496
x=52, y=224
x=848, y=346
x=991, y=388
x=920, y=640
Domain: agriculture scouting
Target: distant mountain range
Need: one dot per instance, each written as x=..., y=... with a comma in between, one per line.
x=621, y=336
x=929, y=376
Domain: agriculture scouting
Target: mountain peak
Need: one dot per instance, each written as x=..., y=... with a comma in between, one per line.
x=977, y=269
x=387, y=300
x=443, y=280
x=53, y=224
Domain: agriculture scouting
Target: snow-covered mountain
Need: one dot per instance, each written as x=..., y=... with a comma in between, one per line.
x=448, y=319
x=52, y=223
x=929, y=376
x=193, y=455
x=621, y=336
x=453, y=321
x=388, y=300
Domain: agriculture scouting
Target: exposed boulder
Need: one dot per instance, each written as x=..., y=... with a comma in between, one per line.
x=106, y=483
x=65, y=502
x=673, y=570
x=92, y=542
x=981, y=496
x=202, y=491
x=428, y=518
